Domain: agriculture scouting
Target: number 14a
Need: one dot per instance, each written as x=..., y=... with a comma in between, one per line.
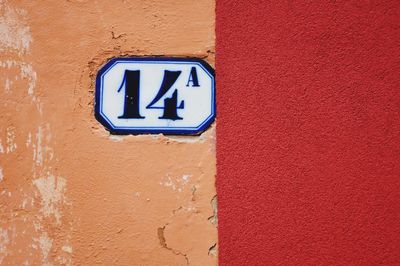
x=131, y=81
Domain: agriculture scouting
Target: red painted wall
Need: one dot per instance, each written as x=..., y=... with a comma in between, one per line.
x=308, y=151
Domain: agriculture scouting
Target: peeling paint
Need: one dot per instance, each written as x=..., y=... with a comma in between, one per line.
x=1, y=174
x=37, y=147
x=212, y=251
x=187, y=139
x=51, y=190
x=11, y=145
x=14, y=33
x=67, y=249
x=29, y=140
x=214, y=218
x=7, y=85
x=28, y=72
x=4, y=241
x=116, y=138
x=45, y=244
x=24, y=203
x=41, y=151
x=1, y=147
x=113, y=202
x=177, y=183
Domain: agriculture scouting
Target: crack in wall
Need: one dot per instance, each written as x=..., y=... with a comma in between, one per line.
x=214, y=218
x=212, y=251
x=163, y=243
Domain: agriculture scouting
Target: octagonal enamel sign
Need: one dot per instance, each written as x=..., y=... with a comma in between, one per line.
x=145, y=95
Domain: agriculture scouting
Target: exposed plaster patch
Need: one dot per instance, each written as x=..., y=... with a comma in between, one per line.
x=52, y=193
x=1, y=174
x=187, y=139
x=14, y=33
x=37, y=148
x=4, y=241
x=185, y=178
x=168, y=138
x=38, y=104
x=45, y=244
x=209, y=134
x=26, y=71
x=67, y=249
x=37, y=226
x=24, y=203
x=116, y=138
x=175, y=184
x=7, y=85
x=8, y=64
x=62, y=260
x=11, y=145
x=29, y=139
x=1, y=147
x=41, y=151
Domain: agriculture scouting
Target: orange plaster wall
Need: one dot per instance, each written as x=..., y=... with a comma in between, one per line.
x=71, y=193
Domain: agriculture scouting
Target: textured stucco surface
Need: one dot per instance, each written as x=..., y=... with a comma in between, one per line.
x=308, y=146
x=69, y=192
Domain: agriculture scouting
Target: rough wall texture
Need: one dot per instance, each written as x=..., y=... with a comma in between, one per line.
x=69, y=192
x=308, y=132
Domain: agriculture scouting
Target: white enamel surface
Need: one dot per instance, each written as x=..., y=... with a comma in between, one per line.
x=198, y=101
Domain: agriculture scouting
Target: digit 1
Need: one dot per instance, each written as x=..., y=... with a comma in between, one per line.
x=131, y=102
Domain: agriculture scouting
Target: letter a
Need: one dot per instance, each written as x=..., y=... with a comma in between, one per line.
x=193, y=78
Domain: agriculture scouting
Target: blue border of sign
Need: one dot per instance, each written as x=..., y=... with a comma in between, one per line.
x=167, y=131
